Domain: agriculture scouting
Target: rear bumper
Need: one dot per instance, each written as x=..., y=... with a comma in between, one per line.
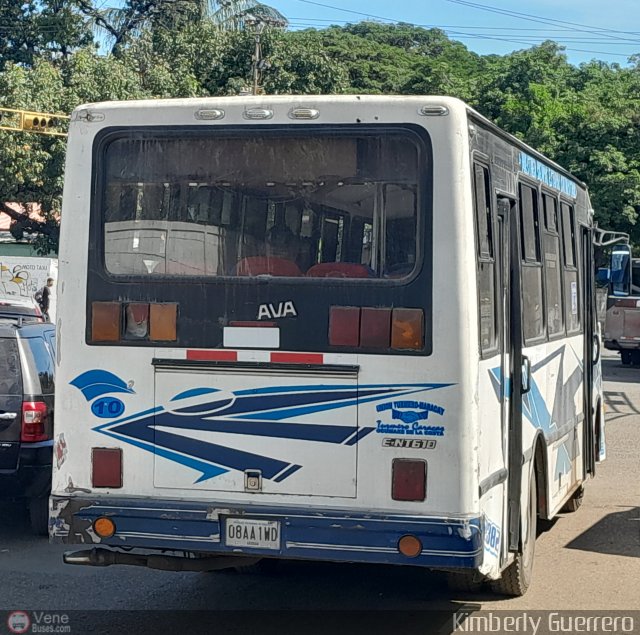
x=318, y=534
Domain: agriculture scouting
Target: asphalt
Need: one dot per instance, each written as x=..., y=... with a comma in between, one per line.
x=587, y=560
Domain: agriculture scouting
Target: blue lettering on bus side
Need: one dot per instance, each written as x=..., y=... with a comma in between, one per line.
x=410, y=413
x=107, y=407
x=491, y=537
x=542, y=172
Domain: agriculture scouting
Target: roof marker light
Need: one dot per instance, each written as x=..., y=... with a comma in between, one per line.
x=258, y=113
x=210, y=114
x=304, y=113
x=433, y=111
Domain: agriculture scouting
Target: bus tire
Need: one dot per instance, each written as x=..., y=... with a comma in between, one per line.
x=464, y=581
x=516, y=578
x=625, y=357
x=575, y=502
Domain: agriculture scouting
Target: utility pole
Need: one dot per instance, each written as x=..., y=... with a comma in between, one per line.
x=258, y=63
x=257, y=58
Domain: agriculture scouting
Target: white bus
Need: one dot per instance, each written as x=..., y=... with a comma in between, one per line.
x=343, y=328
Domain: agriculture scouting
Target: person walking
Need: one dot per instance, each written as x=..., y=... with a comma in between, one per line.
x=43, y=298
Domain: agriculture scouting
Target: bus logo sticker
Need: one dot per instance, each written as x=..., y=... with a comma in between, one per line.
x=409, y=444
x=409, y=414
x=107, y=407
x=253, y=412
x=491, y=537
x=95, y=383
x=279, y=310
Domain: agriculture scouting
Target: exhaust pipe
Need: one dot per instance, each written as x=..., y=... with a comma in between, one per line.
x=99, y=557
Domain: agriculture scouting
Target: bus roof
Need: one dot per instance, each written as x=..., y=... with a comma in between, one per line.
x=312, y=101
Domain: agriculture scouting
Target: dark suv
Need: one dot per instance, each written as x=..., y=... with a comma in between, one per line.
x=26, y=415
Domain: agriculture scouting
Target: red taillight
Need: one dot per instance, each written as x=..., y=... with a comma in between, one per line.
x=106, y=467
x=375, y=328
x=409, y=480
x=34, y=421
x=344, y=326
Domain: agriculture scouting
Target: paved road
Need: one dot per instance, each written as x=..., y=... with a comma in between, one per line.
x=587, y=560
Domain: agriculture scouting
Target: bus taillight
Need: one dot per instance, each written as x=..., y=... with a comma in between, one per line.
x=344, y=326
x=106, y=467
x=376, y=328
x=409, y=480
x=113, y=321
x=407, y=329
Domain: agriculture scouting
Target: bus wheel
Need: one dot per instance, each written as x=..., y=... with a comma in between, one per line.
x=574, y=503
x=626, y=357
x=516, y=578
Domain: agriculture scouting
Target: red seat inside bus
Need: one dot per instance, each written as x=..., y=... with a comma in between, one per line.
x=338, y=270
x=263, y=265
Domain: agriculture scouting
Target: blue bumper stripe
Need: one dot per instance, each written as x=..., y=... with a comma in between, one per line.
x=318, y=535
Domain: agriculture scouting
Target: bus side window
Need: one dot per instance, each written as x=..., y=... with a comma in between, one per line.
x=486, y=261
x=571, y=287
x=552, y=266
x=532, y=301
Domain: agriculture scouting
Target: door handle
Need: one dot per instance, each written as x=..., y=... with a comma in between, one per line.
x=526, y=375
x=7, y=416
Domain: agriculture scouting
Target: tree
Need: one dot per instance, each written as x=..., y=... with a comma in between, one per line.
x=585, y=118
x=125, y=24
x=45, y=30
x=32, y=165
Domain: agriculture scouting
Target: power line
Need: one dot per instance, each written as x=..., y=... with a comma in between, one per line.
x=457, y=34
x=541, y=33
x=542, y=20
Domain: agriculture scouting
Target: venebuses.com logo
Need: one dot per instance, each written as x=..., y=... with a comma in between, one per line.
x=38, y=622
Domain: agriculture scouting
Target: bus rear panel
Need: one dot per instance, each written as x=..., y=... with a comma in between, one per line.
x=271, y=323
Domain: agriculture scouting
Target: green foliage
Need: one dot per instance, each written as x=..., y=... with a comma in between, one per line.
x=46, y=30
x=586, y=118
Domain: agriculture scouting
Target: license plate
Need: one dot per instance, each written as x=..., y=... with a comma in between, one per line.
x=250, y=532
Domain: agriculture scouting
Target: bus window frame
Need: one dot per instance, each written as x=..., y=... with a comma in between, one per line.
x=577, y=266
x=482, y=160
x=555, y=234
x=533, y=264
x=423, y=198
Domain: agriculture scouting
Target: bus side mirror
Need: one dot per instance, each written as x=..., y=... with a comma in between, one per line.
x=620, y=267
x=603, y=276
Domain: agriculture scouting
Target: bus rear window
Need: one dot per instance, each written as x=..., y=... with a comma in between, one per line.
x=313, y=205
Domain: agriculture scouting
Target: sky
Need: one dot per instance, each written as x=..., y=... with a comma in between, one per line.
x=589, y=29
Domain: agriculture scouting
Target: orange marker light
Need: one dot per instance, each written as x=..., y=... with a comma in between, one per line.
x=105, y=321
x=407, y=329
x=104, y=527
x=410, y=546
x=163, y=320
